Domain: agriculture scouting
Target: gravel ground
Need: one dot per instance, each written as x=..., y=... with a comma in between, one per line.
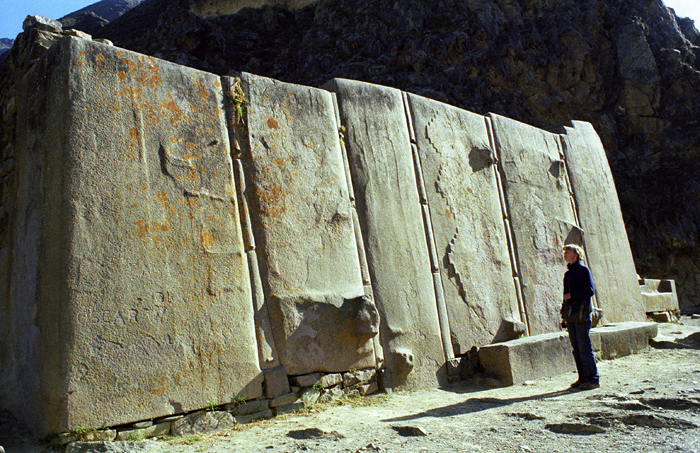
x=648, y=402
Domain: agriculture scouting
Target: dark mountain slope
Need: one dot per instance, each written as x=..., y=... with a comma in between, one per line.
x=630, y=67
x=95, y=16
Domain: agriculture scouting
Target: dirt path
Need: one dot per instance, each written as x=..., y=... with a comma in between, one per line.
x=648, y=402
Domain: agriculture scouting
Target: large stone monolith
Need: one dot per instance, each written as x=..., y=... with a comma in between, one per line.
x=541, y=215
x=302, y=216
x=379, y=154
x=467, y=221
x=127, y=246
x=608, y=250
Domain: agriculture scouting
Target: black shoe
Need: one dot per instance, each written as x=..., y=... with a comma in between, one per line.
x=588, y=386
x=575, y=385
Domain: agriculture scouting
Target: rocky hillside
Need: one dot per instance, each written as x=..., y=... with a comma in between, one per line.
x=5, y=44
x=95, y=16
x=630, y=67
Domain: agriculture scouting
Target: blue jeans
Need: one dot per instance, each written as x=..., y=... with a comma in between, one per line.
x=579, y=334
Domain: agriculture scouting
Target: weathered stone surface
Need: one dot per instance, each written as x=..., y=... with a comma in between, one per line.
x=608, y=251
x=663, y=316
x=287, y=408
x=358, y=376
x=41, y=23
x=410, y=431
x=315, y=433
x=102, y=435
x=467, y=220
x=320, y=317
x=330, y=380
x=284, y=399
x=331, y=394
x=369, y=389
x=276, y=382
x=249, y=407
x=659, y=295
x=160, y=429
x=384, y=181
x=134, y=230
x=541, y=215
x=203, y=422
x=625, y=338
x=248, y=418
x=112, y=447
x=306, y=380
x=517, y=361
x=310, y=396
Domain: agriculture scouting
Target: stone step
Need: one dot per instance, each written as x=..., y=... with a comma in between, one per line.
x=538, y=356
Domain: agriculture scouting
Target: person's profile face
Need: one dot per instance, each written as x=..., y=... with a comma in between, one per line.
x=570, y=257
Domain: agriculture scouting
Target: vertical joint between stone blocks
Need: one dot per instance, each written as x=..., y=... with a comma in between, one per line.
x=441, y=305
x=236, y=129
x=510, y=237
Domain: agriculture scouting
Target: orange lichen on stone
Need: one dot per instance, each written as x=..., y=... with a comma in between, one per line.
x=207, y=239
x=141, y=228
x=273, y=124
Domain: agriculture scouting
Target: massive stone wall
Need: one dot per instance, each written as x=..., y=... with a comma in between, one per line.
x=177, y=239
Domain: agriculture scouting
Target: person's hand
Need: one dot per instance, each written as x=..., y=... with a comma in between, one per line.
x=567, y=296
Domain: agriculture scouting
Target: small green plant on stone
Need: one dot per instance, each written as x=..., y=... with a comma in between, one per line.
x=81, y=431
x=341, y=135
x=211, y=404
x=239, y=399
x=239, y=100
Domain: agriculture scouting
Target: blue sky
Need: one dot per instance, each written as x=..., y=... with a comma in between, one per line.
x=13, y=12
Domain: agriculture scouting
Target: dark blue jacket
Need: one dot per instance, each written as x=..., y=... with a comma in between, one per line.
x=579, y=283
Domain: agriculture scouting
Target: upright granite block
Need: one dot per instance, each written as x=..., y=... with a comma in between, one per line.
x=461, y=189
x=542, y=217
x=379, y=154
x=608, y=250
x=302, y=217
x=127, y=242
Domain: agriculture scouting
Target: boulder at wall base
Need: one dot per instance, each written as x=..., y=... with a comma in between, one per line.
x=202, y=422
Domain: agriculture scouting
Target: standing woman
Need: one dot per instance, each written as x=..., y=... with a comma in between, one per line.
x=576, y=316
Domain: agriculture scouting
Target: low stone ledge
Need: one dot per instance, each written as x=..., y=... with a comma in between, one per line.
x=619, y=340
x=530, y=358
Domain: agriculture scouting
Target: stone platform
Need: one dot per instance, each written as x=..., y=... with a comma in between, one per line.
x=537, y=356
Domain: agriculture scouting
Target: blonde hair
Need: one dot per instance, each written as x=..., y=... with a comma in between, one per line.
x=577, y=249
